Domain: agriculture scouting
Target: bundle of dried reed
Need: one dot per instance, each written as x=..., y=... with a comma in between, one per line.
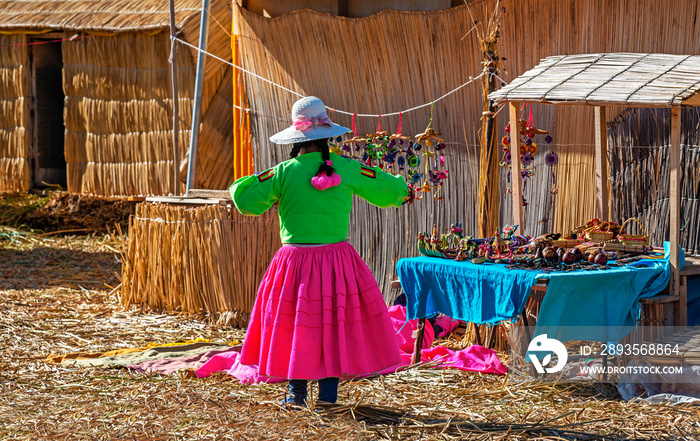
x=207, y=260
x=14, y=144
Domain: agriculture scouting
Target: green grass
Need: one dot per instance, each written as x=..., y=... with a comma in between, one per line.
x=15, y=208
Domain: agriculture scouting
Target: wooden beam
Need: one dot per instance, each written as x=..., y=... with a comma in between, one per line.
x=681, y=316
x=211, y=194
x=601, y=165
x=515, y=178
x=186, y=200
x=692, y=101
x=418, y=347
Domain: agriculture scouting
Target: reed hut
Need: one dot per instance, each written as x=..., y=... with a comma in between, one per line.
x=86, y=95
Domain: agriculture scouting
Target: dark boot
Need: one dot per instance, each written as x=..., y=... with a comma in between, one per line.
x=328, y=390
x=297, y=390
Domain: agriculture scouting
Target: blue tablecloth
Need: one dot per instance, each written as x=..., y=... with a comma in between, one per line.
x=600, y=305
x=486, y=293
x=579, y=305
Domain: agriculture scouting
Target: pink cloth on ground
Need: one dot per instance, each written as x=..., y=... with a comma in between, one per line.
x=474, y=358
x=405, y=330
x=447, y=324
x=319, y=313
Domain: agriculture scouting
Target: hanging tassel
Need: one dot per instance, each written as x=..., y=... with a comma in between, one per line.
x=323, y=182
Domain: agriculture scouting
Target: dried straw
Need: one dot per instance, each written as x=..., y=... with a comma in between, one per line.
x=63, y=304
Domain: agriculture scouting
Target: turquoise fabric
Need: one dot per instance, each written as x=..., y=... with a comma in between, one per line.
x=600, y=305
x=308, y=215
x=485, y=293
x=579, y=305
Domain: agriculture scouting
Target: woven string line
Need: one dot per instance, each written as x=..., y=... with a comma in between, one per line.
x=471, y=80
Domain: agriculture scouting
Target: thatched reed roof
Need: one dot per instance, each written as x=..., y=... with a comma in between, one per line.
x=95, y=15
x=629, y=79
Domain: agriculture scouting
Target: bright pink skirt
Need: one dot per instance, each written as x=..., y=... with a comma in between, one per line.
x=319, y=313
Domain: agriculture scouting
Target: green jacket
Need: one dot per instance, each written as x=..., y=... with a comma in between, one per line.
x=308, y=215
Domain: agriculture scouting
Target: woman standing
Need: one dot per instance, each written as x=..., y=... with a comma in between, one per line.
x=319, y=314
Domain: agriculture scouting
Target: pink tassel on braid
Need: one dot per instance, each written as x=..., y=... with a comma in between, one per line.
x=323, y=181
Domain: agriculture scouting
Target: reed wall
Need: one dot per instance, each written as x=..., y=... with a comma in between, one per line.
x=14, y=133
x=395, y=60
x=118, y=113
x=207, y=260
x=638, y=152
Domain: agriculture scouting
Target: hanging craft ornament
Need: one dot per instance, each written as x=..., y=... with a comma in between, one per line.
x=432, y=146
x=525, y=136
x=551, y=160
x=420, y=160
x=351, y=147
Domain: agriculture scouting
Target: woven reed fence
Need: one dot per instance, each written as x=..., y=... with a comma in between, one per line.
x=14, y=141
x=395, y=60
x=207, y=260
x=638, y=154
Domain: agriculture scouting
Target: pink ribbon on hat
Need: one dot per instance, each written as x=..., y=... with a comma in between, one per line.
x=302, y=122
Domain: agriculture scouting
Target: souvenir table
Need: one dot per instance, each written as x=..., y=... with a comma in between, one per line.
x=601, y=304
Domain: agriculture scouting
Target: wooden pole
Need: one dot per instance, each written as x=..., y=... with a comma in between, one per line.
x=176, y=102
x=418, y=346
x=601, y=165
x=515, y=178
x=681, y=313
x=488, y=165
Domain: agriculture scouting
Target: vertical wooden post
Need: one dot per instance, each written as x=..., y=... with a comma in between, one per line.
x=601, y=165
x=418, y=346
x=681, y=315
x=488, y=159
x=515, y=178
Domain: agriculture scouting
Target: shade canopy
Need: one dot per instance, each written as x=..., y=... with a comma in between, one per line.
x=622, y=79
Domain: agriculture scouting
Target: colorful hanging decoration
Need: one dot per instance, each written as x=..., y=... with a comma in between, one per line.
x=432, y=145
x=528, y=149
x=422, y=160
x=551, y=160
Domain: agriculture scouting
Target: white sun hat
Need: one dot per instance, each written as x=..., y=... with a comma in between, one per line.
x=309, y=122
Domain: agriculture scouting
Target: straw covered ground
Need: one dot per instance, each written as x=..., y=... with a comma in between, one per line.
x=57, y=295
